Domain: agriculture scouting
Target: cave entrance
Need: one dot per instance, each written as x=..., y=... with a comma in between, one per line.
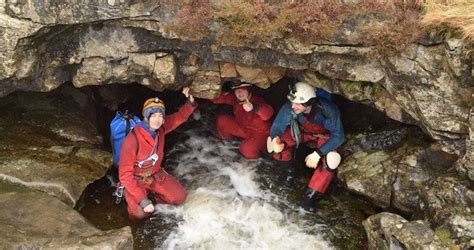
x=213, y=171
x=356, y=117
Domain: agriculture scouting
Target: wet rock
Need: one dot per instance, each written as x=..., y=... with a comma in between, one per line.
x=448, y=201
x=465, y=164
x=64, y=175
x=391, y=231
x=36, y=220
x=398, y=174
x=362, y=172
x=50, y=142
x=68, y=113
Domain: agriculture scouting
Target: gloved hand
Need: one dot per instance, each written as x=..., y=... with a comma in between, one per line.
x=312, y=160
x=274, y=145
x=187, y=94
x=333, y=159
x=248, y=106
x=149, y=208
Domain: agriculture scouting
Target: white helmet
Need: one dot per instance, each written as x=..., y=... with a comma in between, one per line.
x=301, y=92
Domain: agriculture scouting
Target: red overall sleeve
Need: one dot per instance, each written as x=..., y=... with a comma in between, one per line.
x=174, y=120
x=264, y=111
x=126, y=168
x=225, y=98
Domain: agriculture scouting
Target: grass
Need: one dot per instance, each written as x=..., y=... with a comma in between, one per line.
x=455, y=15
x=387, y=25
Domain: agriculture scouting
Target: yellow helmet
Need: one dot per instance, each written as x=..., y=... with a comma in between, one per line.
x=153, y=105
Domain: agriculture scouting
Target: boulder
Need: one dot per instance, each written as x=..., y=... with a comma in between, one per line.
x=50, y=142
x=449, y=201
x=397, y=166
x=391, y=231
x=35, y=220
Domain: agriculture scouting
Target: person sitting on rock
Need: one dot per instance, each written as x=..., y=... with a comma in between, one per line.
x=315, y=122
x=141, y=156
x=251, y=119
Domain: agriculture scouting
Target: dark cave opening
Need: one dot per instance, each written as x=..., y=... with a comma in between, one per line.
x=356, y=117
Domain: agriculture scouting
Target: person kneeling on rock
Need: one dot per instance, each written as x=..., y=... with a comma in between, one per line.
x=313, y=121
x=142, y=154
x=251, y=119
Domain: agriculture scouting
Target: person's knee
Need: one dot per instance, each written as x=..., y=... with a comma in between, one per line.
x=221, y=126
x=136, y=214
x=222, y=121
x=285, y=155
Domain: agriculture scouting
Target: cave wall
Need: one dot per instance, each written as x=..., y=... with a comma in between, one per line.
x=48, y=43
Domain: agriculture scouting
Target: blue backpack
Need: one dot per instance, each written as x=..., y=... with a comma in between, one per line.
x=120, y=126
x=322, y=93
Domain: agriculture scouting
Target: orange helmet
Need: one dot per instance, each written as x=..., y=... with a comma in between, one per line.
x=153, y=105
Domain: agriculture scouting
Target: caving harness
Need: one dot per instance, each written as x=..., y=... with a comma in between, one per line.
x=147, y=176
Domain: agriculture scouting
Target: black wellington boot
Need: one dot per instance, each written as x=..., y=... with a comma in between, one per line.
x=290, y=175
x=309, y=199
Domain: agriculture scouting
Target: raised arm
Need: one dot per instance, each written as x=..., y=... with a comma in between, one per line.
x=176, y=119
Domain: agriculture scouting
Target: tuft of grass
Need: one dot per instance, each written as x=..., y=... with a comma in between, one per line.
x=192, y=20
x=444, y=235
x=387, y=25
x=457, y=15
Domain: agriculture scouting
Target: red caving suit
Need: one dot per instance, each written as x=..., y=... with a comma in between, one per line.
x=138, y=181
x=253, y=126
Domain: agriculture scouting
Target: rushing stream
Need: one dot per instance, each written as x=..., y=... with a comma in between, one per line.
x=232, y=203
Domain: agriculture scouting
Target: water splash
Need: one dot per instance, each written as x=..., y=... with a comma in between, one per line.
x=227, y=207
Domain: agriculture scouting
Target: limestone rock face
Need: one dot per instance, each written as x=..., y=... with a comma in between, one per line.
x=36, y=220
x=49, y=43
x=50, y=142
x=398, y=167
x=449, y=202
x=415, y=76
x=391, y=231
x=465, y=164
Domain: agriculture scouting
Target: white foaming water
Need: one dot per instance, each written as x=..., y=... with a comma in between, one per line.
x=226, y=207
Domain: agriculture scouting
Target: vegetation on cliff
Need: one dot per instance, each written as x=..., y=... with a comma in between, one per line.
x=388, y=25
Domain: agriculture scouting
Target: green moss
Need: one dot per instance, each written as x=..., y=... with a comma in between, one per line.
x=7, y=187
x=377, y=91
x=350, y=87
x=444, y=235
x=22, y=136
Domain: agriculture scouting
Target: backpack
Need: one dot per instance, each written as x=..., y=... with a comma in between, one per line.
x=322, y=93
x=120, y=126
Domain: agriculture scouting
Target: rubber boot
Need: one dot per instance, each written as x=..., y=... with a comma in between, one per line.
x=290, y=176
x=309, y=199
